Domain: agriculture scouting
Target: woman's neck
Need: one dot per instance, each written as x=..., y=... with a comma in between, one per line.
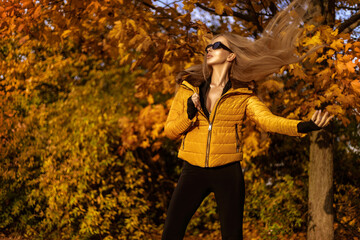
x=220, y=76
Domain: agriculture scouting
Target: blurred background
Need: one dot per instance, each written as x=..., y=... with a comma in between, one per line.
x=85, y=88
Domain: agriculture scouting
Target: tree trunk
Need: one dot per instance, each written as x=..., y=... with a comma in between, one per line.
x=321, y=214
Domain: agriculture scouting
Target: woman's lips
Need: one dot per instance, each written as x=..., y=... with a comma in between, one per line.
x=208, y=56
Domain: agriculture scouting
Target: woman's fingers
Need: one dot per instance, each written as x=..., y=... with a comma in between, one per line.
x=328, y=120
x=314, y=116
x=196, y=100
x=321, y=120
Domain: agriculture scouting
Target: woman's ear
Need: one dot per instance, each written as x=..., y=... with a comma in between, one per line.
x=231, y=57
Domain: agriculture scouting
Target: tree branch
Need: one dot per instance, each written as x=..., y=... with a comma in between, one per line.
x=236, y=14
x=273, y=8
x=246, y=17
x=348, y=8
x=163, y=12
x=350, y=24
x=254, y=16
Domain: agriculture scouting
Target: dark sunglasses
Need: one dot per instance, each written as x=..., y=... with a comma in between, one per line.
x=216, y=46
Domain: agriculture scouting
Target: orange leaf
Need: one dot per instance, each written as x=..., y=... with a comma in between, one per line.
x=350, y=66
x=340, y=66
x=347, y=46
x=356, y=86
x=24, y=39
x=37, y=12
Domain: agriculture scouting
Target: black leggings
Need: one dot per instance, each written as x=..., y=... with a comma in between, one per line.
x=195, y=183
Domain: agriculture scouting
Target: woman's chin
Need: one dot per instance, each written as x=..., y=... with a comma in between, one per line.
x=213, y=62
x=210, y=63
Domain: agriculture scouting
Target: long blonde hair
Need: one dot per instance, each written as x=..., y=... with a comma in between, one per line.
x=257, y=59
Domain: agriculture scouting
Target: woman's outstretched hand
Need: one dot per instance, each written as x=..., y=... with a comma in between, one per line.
x=321, y=120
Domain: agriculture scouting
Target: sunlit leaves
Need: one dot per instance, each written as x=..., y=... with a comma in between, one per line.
x=355, y=84
x=329, y=73
x=85, y=87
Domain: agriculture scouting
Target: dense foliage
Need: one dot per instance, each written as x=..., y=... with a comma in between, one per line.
x=85, y=88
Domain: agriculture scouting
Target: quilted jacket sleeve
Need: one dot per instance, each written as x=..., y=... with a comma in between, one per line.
x=177, y=121
x=257, y=111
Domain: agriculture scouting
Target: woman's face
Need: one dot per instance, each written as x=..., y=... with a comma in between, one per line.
x=217, y=56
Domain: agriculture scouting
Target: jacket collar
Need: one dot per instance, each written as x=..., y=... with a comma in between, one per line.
x=231, y=90
x=196, y=82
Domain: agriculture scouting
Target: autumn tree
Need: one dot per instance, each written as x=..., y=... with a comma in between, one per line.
x=321, y=213
x=84, y=93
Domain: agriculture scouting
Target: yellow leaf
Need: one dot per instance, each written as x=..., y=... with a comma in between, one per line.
x=102, y=20
x=330, y=62
x=355, y=84
x=283, y=68
x=66, y=33
x=334, y=109
x=331, y=52
x=132, y=23
x=124, y=59
x=309, y=27
x=337, y=44
x=356, y=44
x=188, y=5
x=219, y=7
x=315, y=40
x=150, y=99
x=299, y=72
x=133, y=65
x=320, y=59
x=324, y=73
x=37, y=12
x=347, y=46
x=340, y=67
x=27, y=3
x=350, y=66
x=345, y=120
x=334, y=33
x=117, y=31
x=20, y=28
x=24, y=39
x=167, y=68
x=155, y=158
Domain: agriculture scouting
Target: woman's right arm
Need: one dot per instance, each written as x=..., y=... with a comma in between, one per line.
x=178, y=121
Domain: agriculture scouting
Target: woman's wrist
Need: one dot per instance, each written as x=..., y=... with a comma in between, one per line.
x=191, y=109
x=308, y=126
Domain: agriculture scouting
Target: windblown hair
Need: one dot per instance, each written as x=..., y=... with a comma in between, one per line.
x=257, y=59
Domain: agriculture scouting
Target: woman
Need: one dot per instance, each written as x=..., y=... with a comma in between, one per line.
x=208, y=111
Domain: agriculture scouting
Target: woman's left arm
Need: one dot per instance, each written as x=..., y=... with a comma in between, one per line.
x=257, y=111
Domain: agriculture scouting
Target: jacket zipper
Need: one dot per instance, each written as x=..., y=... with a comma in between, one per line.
x=237, y=138
x=208, y=146
x=210, y=130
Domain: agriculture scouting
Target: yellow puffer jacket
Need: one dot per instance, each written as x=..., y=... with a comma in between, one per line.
x=217, y=141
